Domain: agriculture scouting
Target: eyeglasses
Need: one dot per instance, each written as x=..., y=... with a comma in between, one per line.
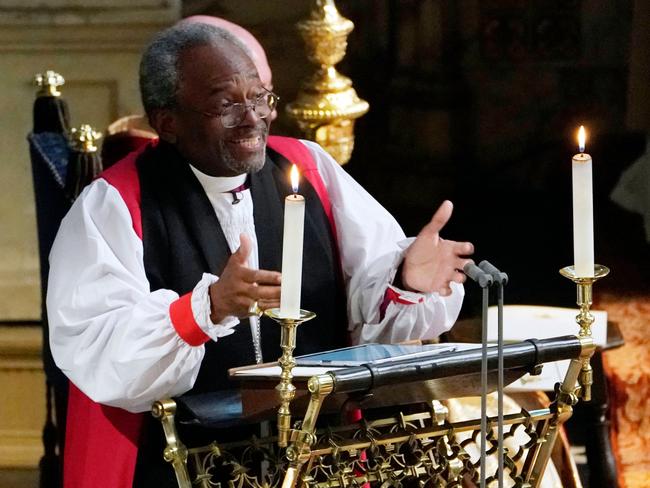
x=232, y=114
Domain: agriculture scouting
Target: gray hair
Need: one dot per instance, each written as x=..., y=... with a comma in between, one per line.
x=159, y=65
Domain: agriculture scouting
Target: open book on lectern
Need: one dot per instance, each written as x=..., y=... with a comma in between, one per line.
x=319, y=363
x=395, y=374
x=520, y=322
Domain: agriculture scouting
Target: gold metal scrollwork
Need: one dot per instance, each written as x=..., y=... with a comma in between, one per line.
x=404, y=450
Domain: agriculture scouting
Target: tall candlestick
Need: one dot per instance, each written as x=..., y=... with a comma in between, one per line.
x=583, y=214
x=294, y=223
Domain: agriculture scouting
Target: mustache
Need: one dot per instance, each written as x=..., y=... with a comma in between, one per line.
x=260, y=129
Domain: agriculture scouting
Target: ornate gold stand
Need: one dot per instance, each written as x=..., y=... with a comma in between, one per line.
x=286, y=390
x=175, y=452
x=579, y=371
x=585, y=319
x=406, y=448
x=390, y=451
x=327, y=105
x=299, y=452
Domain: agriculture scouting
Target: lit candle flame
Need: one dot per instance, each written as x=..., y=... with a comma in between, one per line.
x=582, y=137
x=295, y=177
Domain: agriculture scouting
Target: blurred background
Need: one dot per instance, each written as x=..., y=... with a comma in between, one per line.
x=479, y=102
x=476, y=101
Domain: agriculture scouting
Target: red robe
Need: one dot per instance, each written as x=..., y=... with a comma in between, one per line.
x=102, y=442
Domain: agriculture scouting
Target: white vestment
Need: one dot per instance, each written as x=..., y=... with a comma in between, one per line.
x=113, y=337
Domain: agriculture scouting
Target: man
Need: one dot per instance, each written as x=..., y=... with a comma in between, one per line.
x=161, y=258
x=130, y=133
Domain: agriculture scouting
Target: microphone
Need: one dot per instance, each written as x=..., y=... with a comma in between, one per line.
x=477, y=274
x=497, y=275
x=484, y=280
x=501, y=279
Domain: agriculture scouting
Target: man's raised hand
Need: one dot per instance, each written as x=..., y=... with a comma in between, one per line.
x=239, y=286
x=431, y=263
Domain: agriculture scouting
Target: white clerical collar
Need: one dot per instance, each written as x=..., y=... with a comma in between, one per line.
x=218, y=184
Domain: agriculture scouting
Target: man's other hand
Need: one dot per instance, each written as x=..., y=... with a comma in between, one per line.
x=239, y=286
x=431, y=263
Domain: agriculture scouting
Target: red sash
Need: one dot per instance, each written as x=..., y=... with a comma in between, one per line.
x=102, y=442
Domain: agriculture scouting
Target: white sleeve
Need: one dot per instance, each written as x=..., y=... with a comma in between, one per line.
x=372, y=245
x=109, y=334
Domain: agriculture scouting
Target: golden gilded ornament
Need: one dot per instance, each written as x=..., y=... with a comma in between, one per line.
x=48, y=84
x=285, y=389
x=84, y=138
x=407, y=448
x=327, y=104
x=175, y=451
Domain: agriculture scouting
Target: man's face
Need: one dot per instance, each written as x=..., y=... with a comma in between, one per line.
x=209, y=80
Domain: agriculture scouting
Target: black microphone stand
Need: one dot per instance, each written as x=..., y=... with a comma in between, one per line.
x=500, y=280
x=484, y=280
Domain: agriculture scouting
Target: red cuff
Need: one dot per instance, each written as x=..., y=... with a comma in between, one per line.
x=182, y=317
x=392, y=296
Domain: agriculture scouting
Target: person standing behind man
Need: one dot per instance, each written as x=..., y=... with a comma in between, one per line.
x=160, y=259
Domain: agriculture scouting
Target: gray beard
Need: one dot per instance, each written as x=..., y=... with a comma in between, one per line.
x=251, y=165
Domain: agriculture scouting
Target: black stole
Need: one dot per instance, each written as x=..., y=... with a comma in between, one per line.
x=182, y=239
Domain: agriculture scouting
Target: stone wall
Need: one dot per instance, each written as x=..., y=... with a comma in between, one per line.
x=96, y=47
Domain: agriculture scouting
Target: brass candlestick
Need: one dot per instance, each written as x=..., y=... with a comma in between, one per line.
x=286, y=390
x=585, y=318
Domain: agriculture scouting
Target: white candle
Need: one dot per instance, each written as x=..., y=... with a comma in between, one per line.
x=294, y=224
x=583, y=213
